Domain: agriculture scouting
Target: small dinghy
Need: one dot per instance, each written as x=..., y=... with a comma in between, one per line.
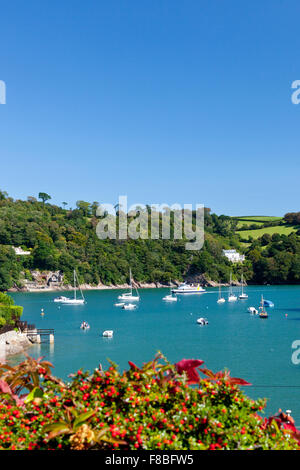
x=129, y=307
x=170, y=298
x=119, y=304
x=108, y=333
x=268, y=303
x=202, y=321
x=253, y=310
x=85, y=326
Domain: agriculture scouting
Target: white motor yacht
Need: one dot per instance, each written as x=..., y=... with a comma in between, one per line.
x=185, y=288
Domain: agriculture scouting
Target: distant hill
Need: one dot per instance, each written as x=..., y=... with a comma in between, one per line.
x=60, y=240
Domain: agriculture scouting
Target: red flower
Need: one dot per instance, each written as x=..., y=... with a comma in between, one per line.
x=189, y=366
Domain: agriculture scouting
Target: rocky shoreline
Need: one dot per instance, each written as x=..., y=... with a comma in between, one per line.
x=12, y=343
x=53, y=281
x=85, y=287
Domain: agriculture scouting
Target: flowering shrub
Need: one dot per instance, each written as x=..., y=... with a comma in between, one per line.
x=152, y=407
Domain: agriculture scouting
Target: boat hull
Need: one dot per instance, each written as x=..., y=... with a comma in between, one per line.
x=170, y=298
x=129, y=307
x=70, y=302
x=179, y=291
x=129, y=299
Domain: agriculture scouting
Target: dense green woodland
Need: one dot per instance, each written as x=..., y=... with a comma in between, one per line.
x=64, y=239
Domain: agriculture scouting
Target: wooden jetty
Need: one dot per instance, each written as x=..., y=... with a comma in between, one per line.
x=36, y=335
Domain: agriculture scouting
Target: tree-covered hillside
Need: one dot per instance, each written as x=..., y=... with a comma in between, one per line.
x=64, y=239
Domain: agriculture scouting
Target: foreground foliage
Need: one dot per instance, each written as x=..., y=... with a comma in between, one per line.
x=157, y=406
x=9, y=312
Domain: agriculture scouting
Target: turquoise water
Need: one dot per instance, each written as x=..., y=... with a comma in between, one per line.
x=252, y=348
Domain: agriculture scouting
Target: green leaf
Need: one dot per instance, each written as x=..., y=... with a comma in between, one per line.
x=36, y=392
x=56, y=429
x=82, y=418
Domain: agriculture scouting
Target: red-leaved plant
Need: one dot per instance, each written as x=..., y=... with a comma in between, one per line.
x=155, y=406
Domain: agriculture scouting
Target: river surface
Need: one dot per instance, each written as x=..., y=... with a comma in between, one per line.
x=260, y=351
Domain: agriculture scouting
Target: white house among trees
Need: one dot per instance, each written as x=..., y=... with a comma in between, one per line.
x=234, y=256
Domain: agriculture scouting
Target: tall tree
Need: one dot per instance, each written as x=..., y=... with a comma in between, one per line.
x=44, y=197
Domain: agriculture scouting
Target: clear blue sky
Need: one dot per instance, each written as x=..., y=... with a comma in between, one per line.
x=165, y=101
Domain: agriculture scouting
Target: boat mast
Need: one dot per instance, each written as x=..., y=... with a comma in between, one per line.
x=82, y=296
x=130, y=281
x=74, y=284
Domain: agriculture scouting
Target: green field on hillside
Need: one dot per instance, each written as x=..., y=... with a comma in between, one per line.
x=242, y=223
x=281, y=229
x=259, y=218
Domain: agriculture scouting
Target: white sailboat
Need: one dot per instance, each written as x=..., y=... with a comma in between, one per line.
x=75, y=300
x=128, y=296
x=221, y=299
x=231, y=296
x=170, y=297
x=243, y=295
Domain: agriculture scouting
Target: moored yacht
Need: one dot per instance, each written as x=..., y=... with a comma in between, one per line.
x=170, y=297
x=221, y=299
x=261, y=309
x=185, y=288
x=129, y=296
x=75, y=300
x=231, y=296
x=243, y=295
